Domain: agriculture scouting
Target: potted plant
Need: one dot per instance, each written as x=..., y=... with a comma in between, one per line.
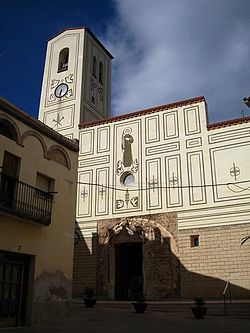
x=199, y=310
x=140, y=305
x=89, y=299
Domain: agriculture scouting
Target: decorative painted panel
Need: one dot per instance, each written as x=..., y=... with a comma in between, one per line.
x=152, y=129
x=103, y=139
x=127, y=175
x=154, y=190
x=60, y=119
x=229, y=135
x=102, y=191
x=171, y=127
x=173, y=181
x=69, y=136
x=87, y=142
x=192, y=120
x=196, y=178
x=163, y=149
x=96, y=94
x=85, y=189
x=87, y=162
x=196, y=142
x=231, y=172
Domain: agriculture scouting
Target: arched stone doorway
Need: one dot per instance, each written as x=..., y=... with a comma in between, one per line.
x=138, y=254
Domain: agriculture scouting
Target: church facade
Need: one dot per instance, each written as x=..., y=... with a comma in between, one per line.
x=163, y=196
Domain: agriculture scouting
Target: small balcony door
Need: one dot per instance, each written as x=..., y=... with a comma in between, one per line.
x=9, y=177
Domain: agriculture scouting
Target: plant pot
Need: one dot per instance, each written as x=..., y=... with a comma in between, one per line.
x=140, y=307
x=199, y=312
x=89, y=302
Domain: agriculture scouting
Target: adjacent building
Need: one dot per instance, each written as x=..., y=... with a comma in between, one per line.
x=37, y=218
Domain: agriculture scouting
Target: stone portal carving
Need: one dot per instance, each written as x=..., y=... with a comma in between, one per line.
x=158, y=235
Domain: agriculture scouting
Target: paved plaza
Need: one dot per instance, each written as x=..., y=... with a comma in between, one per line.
x=124, y=320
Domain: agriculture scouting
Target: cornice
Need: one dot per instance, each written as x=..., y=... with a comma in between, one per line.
x=227, y=123
x=37, y=125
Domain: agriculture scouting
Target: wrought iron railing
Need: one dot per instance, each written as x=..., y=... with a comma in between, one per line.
x=21, y=199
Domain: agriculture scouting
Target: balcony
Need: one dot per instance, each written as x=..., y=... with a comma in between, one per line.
x=25, y=201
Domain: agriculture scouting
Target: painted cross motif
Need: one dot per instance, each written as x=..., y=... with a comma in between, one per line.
x=84, y=193
x=153, y=183
x=58, y=120
x=234, y=171
x=102, y=191
x=173, y=180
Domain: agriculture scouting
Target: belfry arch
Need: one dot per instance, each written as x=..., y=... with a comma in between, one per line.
x=138, y=254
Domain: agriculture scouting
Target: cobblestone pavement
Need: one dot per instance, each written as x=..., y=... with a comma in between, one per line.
x=120, y=320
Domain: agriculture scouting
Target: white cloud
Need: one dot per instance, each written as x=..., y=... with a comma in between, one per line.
x=169, y=50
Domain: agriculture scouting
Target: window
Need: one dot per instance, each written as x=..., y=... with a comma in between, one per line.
x=44, y=183
x=11, y=164
x=7, y=129
x=63, y=60
x=127, y=179
x=194, y=240
x=9, y=179
x=101, y=72
x=94, y=67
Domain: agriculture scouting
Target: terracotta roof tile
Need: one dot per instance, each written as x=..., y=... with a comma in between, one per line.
x=227, y=123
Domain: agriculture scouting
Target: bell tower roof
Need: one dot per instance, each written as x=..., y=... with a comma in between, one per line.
x=89, y=32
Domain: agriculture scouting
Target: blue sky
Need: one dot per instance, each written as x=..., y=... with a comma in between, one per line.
x=164, y=50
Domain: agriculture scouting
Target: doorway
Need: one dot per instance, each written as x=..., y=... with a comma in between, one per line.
x=14, y=271
x=128, y=270
x=9, y=178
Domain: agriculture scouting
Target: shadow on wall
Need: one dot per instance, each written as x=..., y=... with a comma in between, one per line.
x=129, y=261
x=84, y=263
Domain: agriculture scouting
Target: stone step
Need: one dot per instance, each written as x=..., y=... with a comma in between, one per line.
x=237, y=309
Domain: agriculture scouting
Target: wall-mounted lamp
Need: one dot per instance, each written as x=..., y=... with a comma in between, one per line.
x=246, y=100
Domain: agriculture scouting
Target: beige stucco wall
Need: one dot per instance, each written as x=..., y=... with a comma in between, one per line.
x=51, y=245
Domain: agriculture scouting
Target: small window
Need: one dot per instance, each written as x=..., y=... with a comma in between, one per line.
x=11, y=165
x=127, y=179
x=63, y=60
x=7, y=129
x=194, y=240
x=44, y=183
x=101, y=72
x=94, y=67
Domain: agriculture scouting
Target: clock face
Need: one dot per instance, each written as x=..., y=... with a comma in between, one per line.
x=61, y=90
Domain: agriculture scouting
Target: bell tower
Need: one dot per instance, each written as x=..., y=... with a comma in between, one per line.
x=76, y=82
